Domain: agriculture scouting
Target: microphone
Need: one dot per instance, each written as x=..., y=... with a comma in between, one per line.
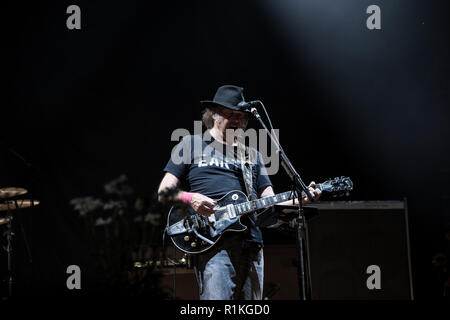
x=248, y=105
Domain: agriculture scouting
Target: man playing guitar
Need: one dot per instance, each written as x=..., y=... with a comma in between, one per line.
x=232, y=269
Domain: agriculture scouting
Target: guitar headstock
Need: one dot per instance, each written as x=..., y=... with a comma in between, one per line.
x=338, y=186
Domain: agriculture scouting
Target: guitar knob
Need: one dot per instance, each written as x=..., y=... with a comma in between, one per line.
x=186, y=238
x=193, y=244
x=203, y=242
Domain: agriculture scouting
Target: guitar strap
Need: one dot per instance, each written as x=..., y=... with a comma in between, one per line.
x=247, y=170
x=266, y=217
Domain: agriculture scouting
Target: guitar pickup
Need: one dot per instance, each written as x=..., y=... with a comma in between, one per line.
x=231, y=212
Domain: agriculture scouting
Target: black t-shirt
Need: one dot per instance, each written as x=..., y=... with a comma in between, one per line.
x=213, y=169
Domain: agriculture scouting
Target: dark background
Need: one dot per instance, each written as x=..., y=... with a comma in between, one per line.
x=84, y=106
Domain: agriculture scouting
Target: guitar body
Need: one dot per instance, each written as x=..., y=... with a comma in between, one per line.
x=189, y=242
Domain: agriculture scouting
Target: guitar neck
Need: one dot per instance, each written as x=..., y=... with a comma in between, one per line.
x=251, y=206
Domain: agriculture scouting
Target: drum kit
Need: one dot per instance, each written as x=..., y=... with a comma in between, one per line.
x=10, y=204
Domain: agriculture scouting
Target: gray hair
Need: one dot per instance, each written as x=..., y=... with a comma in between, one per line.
x=207, y=117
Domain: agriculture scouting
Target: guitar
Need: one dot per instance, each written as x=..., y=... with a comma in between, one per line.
x=193, y=233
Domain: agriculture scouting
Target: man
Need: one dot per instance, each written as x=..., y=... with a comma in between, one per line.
x=233, y=268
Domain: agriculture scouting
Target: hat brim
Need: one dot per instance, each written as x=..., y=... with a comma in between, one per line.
x=207, y=103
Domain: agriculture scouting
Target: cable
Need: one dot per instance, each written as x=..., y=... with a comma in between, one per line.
x=174, y=276
x=270, y=125
x=175, y=264
x=265, y=111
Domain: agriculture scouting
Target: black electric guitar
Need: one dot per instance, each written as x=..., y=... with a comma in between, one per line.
x=193, y=233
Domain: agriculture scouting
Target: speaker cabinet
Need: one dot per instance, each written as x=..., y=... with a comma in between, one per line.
x=359, y=250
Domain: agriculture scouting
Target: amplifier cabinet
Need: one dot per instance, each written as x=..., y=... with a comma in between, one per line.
x=359, y=251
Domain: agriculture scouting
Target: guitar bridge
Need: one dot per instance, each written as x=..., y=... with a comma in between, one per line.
x=212, y=219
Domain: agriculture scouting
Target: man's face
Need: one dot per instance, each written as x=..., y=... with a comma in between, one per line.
x=231, y=119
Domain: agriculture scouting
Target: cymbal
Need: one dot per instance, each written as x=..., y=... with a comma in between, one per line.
x=5, y=220
x=17, y=204
x=10, y=192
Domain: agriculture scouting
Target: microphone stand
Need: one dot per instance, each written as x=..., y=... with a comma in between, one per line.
x=298, y=188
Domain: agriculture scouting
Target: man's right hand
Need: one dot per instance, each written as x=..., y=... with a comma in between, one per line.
x=202, y=204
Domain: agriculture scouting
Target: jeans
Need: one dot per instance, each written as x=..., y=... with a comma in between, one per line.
x=232, y=270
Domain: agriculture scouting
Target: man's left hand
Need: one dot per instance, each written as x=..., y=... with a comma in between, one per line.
x=314, y=191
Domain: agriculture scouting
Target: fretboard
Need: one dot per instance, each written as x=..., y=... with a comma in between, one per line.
x=250, y=206
x=261, y=203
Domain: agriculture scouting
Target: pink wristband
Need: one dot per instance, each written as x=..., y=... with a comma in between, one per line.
x=186, y=197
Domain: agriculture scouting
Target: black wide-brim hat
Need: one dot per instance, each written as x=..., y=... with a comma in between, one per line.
x=227, y=96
